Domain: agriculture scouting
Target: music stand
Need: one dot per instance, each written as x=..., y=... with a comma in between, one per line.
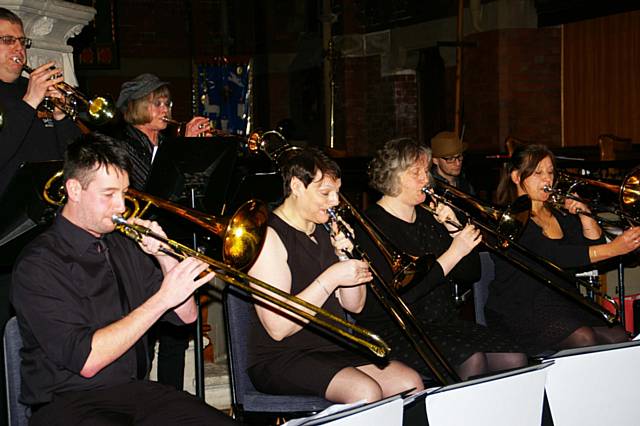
x=194, y=172
x=387, y=411
x=510, y=398
x=595, y=385
x=24, y=211
x=203, y=164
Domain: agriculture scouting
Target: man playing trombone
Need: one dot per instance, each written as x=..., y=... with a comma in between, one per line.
x=85, y=297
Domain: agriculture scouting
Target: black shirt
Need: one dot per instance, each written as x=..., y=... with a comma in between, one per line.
x=24, y=137
x=461, y=181
x=64, y=290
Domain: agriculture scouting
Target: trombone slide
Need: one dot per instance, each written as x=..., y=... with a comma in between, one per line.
x=263, y=291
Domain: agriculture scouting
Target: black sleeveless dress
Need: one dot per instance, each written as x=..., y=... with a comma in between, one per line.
x=305, y=362
x=536, y=315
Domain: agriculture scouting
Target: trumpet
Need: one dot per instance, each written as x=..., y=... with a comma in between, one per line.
x=100, y=110
x=208, y=129
x=505, y=227
x=263, y=291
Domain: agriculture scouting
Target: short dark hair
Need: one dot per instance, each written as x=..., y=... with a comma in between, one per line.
x=90, y=152
x=396, y=156
x=304, y=164
x=7, y=15
x=525, y=160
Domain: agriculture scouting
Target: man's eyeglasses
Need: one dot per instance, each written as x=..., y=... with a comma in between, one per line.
x=454, y=158
x=8, y=40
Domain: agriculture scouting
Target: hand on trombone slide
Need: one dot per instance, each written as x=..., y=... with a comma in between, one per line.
x=148, y=244
x=628, y=241
x=445, y=215
x=574, y=206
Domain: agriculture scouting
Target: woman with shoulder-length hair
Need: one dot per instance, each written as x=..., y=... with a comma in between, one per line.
x=400, y=170
x=145, y=103
x=539, y=317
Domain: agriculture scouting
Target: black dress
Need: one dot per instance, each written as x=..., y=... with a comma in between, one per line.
x=431, y=299
x=305, y=362
x=537, y=316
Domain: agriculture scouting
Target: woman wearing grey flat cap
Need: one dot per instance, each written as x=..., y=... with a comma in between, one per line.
x=145, y=103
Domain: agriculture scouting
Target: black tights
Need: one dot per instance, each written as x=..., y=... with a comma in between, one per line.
x=487, y=362
x=590, y=336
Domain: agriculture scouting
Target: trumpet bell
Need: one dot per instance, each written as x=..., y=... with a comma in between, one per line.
x=101, y=110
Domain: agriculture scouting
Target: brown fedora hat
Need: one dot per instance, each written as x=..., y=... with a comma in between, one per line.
x=447, y=144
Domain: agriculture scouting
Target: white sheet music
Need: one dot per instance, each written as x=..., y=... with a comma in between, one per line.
x=597, y=386
x=387, y=412
x=507, y=399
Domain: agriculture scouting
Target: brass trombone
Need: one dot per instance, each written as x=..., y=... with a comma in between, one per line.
x=242, y=235
x=100, y=109
x=272, y=143
x=505, y=227
x=627, y=191
x=263, y=291
x=404, y=267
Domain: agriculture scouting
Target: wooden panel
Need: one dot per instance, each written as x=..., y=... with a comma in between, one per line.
x=601, y=72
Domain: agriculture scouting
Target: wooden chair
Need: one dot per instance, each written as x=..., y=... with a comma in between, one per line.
x=613, y=147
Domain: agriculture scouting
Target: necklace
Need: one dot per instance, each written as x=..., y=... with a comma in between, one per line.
x=291, y=223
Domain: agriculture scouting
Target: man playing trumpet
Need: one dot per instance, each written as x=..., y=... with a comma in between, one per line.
x=25, y=137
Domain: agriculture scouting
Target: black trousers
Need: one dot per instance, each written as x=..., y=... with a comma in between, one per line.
x=174, y=341
x=135, y=403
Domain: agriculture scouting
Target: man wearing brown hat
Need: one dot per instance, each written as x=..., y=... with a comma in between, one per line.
x=448, y=153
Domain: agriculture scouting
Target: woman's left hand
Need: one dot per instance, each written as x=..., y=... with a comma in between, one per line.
x=575, y=207
x=198, y=126
x=340, y=242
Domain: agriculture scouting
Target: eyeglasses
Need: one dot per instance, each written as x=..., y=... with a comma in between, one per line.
x=8, y=40
x=453, y=159
x=158, y=103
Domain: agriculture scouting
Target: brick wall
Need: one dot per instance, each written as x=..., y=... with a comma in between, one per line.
x=512, y=86
x=371, y=108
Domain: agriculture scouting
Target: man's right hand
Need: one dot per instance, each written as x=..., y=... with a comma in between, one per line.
x=41, y=80
x=183, y=279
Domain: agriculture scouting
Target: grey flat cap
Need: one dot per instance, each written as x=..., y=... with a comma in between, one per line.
x=138, y=88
